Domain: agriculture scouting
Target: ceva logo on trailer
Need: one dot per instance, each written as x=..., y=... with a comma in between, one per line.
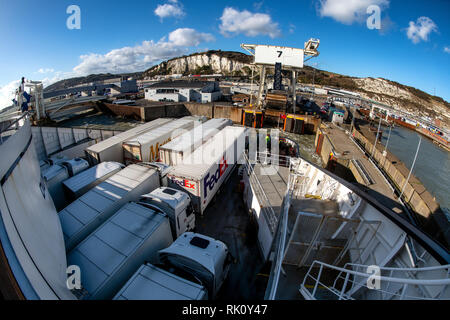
x=210, y=181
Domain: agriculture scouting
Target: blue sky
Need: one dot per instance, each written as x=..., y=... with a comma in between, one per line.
x=412, y=47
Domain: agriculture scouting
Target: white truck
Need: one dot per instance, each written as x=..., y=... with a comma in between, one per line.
x=194, y=267
x=203, y=172
x=87, y=213
x=111, y=149
x=176, y=150
x=176, y=204
x=145, y=148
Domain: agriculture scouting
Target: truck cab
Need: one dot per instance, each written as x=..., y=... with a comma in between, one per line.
x=176, y=204
x=203, y=257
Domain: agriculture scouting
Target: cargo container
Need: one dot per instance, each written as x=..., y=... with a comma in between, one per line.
x=203, y=171
x=111, y=149
x=174, y=152
x=113, y=253
x=145, y=148
x=154, y=283
x=87, y=213
x=78, y=185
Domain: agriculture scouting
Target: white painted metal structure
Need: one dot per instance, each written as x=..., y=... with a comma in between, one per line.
x=176, y=150
x=429, y=283
x=290, y=58
x=152, y=283
x=30, y=231
x=87, y=213
x=113, y=253
x=111, y=149
x=341, y=223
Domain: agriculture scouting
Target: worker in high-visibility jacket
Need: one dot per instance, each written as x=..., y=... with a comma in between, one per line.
x=269, y=143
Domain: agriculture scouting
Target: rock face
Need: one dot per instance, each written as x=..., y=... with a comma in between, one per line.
x=404, y=98
x=223, y=62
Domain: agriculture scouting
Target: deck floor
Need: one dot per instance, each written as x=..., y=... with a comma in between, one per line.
x=226, y=220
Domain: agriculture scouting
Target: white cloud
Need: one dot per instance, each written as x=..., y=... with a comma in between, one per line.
x=189, y=37
x=250, y=24
x=7, y=93
x=141, y=57
x=420, y=30
x=447, y=49
x=171, y=9
x=127, y=59
x=348, y=11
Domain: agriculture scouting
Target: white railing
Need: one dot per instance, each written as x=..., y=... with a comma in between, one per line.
x=272, y=287
x=266, y=206
x=409, y=285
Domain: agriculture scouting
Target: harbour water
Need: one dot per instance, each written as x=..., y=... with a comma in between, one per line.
x=432, y=167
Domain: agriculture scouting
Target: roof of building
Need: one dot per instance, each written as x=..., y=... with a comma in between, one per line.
x=180, y=84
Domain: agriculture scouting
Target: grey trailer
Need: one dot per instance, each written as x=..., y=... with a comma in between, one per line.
x=86, y=214
x=78, y=185
x=112, y=254
x=154, y=283
x=111, y=149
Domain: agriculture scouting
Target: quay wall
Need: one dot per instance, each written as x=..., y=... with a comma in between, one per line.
x=415, y=195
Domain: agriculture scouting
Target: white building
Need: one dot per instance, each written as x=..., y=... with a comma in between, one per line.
x=184, y=91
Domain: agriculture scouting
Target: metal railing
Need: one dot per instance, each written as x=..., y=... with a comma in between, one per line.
x=24, y=117
x=280, y=239
x=266, y=206
x=349, y=281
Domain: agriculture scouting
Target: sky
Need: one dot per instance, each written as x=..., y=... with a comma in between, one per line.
x=42, y=40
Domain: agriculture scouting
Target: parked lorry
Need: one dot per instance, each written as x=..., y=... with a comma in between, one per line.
x=81, y=183
x=59, y=171
x=145, y=148
x=204, y=171
x=176, y=150
x=111, y=149
x=176, y=204
x=194, y=267
x=87, y=213
x=109, y=256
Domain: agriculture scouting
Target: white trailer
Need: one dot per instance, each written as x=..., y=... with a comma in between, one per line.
x=87, y=213
x=174, y=152
x=203, y=172
x=78, y=185
x=145, y=148
x=111, y=149
x=113, y=253
x=155, y=283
